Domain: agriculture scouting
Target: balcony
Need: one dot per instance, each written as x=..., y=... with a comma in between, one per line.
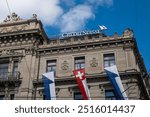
x=10, y=77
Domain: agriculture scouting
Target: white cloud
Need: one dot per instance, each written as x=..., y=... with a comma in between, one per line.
x=47, y=10
x=52, y=13
x=76, y=18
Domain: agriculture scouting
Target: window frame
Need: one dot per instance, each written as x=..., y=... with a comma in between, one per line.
x=79, y=62
x=109, y=60
x=2, y=97
x=15, y=68
x=12, y=96
x=77, y=96
x=52, y=66
x=3, y=69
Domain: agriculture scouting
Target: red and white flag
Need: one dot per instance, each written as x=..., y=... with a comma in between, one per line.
x=81, y=80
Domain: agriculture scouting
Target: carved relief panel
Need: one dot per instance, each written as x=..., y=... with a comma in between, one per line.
x=94, y=62
x=65, y=65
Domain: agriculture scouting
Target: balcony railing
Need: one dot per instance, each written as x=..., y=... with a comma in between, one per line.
x=9, y=76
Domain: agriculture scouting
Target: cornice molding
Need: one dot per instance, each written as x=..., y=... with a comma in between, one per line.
x=87, y=46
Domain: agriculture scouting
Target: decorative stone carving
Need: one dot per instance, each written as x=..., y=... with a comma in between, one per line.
x=12, y=17
x=34, y=16
x=3, y=30
x=128, y=32
x=93, y=62
x=13, y=28
x=70, y=91
x=65, y=65
x=23, y=27
x=116, y=35
x=9, y=52
x=57, y=91
x=29, y=51
x=5, y=52
x=17, y=27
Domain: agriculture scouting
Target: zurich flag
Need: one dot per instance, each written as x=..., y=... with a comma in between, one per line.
x=49, y=86
x=115, y=80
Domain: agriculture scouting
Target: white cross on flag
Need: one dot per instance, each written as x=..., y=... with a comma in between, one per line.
x=81, y=80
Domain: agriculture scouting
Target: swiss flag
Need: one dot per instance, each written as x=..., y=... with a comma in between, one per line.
x=81, y=80
x=79, y=74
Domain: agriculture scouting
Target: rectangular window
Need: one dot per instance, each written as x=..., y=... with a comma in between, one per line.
x=4, y=70
x=15, y=69
x=44, y=96
x=109, y=60
x=79, y=62
x=110, y=95
x=51, y=66
x=2, y=97
x=12, y=96
x=78, y=96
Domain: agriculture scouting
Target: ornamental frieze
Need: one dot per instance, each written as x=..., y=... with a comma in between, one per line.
x=9, y=52
x=10, y=25
x=13, y=28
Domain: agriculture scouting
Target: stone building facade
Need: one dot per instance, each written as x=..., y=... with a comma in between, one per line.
x=26, y=53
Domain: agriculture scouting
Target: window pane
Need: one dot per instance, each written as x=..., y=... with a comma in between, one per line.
x=106, y=63
x=79, y=62
x=1, y=97
x=12, y=96
x=48, y=69
x=51, y=63
x=3, y=70
x=112, y=63
x=51, y=66
x=15, y=68
x=78, y=96
x=109, y=60
x=110, y=95
x=82, y=65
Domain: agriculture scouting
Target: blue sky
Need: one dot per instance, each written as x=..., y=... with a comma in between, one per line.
x=60, y=16
x=124, y=14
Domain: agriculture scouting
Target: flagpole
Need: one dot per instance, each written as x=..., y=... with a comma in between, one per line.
x=8, y=7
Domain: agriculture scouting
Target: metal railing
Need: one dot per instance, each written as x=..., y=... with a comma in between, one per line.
x=9, y=76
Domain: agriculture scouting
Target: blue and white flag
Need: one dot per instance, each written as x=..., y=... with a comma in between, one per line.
x=49, y=86
x=115, y=80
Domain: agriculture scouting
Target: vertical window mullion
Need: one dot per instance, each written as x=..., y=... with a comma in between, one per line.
x=15, y=68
